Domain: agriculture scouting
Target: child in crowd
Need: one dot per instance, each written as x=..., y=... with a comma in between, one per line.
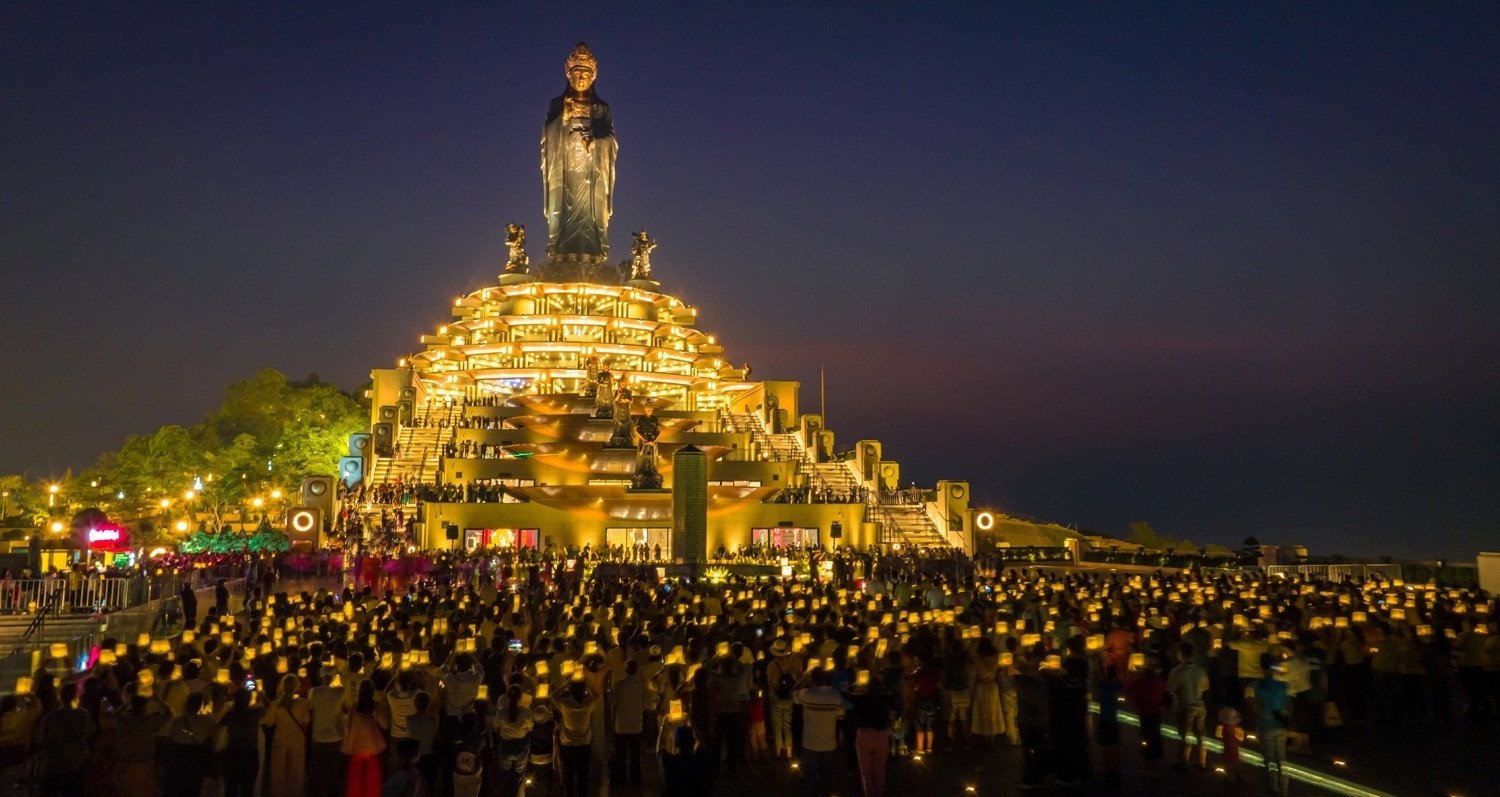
x=1147, y=693
x=405, y=780
x=1232, y=734
x=755, y=712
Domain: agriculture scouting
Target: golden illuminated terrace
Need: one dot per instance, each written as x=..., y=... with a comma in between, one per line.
x=534, y=338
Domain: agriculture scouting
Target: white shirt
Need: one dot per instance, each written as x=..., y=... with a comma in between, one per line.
x=821, y=709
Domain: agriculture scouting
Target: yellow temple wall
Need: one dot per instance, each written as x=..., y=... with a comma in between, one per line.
x=733, y=529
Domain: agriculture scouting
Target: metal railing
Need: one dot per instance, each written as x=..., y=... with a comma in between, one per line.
x=1359, y=572
x=28, y=595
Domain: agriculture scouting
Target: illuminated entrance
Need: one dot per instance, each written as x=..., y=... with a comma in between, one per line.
x=500, y=538
x=631, y=538
x=784, y=537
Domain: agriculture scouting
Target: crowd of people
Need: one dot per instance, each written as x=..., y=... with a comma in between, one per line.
x=403, y=493
x=857, y=494
x=484, y=672
x=471, y=449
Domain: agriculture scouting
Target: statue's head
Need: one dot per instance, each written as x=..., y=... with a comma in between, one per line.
x=582, y=67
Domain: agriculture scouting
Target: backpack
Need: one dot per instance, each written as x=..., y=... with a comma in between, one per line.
x=784, y=686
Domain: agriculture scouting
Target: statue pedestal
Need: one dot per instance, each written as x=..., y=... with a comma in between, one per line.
x=516, y=278
x=579, y=268
x=644, y=285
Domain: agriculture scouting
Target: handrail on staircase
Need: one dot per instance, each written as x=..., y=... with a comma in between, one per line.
x=49, y=606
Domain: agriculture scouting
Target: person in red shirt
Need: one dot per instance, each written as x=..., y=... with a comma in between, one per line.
x=924, y=704
x=1146, y=691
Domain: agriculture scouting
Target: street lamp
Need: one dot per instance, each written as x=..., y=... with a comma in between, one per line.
x=57, y=526
x=164, y=503
x=52, y=495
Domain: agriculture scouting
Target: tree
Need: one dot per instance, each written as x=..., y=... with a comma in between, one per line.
x=270, y=432
x=26, y=502
x=1142, y=534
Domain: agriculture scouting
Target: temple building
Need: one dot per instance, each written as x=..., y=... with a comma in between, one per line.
x=554, y=405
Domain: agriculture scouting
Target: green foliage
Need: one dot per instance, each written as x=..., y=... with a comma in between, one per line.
x=1142, y=534
x=221, y=541
x=268, y=434
x=267, y=539
x=27, y=502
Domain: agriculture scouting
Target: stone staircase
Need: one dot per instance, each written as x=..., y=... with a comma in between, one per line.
x=787, y=447
x=421, y=449
x=909, y=524
x=837, y=476
x=749, y=423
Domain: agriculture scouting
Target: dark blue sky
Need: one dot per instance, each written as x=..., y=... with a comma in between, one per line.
x=1230, y=270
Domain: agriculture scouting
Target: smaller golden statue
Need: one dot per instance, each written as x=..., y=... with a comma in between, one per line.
x=515, y=241
x=640, y=255
x=620, y=434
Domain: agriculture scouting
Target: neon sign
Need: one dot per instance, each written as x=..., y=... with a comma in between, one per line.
x=106, y=536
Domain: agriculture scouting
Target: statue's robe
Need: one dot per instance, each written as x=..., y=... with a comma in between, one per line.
x=578, y=177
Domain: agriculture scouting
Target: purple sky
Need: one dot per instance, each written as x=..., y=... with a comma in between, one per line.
x=1232, y=271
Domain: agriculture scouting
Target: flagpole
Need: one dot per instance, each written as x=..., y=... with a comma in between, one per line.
x=822, y=398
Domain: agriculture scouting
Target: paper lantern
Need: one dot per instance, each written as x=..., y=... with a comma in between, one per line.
x=541, y=668
x=221, y=676
x=144, y=640
x=107, y=657
x=387, y=661
x=161, y=647
x=483, y=693
x=58, y=650
x=23, y=685
x=1052, y=662
x=1340, y=622
x=121, y=650
x=1007, y=659
x=568, y=667
x=674, y=711
x=1028, y=640
x=1137, y=661
x=541, y=691
x=1358, y=617
x=1094, y=642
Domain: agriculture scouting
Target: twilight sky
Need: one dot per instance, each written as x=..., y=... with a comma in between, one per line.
x=1230, y=270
